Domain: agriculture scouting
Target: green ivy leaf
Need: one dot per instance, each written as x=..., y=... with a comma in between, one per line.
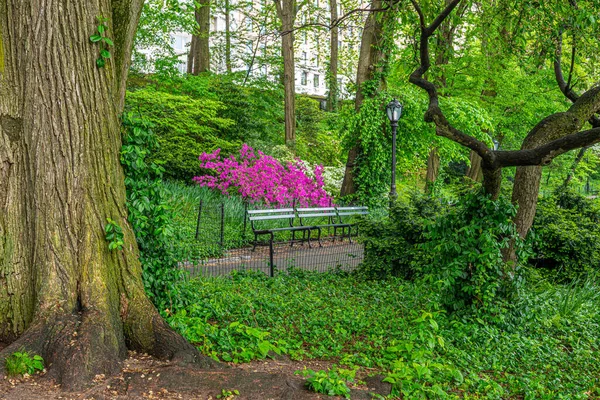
x=95, y=38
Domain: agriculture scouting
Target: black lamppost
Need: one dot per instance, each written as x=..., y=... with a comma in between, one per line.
x=394, y=112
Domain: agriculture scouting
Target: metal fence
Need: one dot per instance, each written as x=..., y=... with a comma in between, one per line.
x=225, y=238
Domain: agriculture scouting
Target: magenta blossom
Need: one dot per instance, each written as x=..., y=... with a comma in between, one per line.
x=261, y=178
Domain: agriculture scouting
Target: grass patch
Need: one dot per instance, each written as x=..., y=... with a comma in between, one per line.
x=540, y=349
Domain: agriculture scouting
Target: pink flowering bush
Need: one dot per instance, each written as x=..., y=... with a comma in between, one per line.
x=261, y=178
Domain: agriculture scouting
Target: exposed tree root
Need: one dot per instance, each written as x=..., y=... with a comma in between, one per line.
x=79, y=347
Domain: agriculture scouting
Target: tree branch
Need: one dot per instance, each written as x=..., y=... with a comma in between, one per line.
x=434, y=113
x=543, y=155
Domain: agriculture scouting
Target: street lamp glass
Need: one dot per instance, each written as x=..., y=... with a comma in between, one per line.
x=394, y=110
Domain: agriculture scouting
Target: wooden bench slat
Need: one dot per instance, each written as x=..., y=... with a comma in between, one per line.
x=315, y=209
x=280, y=210
x=272, y=217
x=351, y=208
x=316, y=215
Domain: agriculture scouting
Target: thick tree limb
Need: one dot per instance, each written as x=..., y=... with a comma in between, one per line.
x=543, y=155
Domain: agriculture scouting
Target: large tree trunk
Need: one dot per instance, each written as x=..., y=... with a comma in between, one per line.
x=286, y=10
x=332, y=96
x=368, y=66
x=63, y=294
x=201, y=47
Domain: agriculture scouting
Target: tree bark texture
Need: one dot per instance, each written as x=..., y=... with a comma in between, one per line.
x=474, y=172
x=332, y=96
x=63, y=294
x=369, y=62
x=286, y=10
x=227, y=36
x=433, y=169
x=201, y=49
x=191, y=54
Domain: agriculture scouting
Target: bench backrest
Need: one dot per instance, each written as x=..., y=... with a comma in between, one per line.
x=316, y=212
x=256, y=216
x=351, y=211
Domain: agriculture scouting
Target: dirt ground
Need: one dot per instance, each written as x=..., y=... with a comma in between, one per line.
x=143, y=377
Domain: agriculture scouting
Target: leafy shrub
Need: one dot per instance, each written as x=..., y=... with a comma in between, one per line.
x=258, y=177
x=466, y=246
x=392, y=246
x=149, y=213
x=331, y=382
x=415, y=372
x=236, y=343
x=21, y=363
x=185, y=127
x=565, y=235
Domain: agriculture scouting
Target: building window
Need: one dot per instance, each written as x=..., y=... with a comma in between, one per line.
x=304, y=78
x=215, y=24
x=304, y=57
x=339, y=44
x=316, y=81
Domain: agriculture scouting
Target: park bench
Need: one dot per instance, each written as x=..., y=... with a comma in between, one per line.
x=257, y=217
x=329, y=214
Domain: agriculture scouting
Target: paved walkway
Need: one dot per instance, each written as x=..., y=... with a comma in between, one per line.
x=344, y=255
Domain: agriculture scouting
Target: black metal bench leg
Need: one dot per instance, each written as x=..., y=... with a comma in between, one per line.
x=293, y=238
x=319, y=238
x=255, y=240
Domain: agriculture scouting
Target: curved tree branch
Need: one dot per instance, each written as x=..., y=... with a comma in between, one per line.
x=543, y=155
x=434, y=113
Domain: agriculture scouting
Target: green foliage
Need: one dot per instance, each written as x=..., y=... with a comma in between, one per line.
x=565, y=232
x=370, y=130
x=466, y=247
x=103, y=40
x=392, y=245
x=149, y=212
x=331, y=382
x=235, y=343
x=317, y=135
x=21, y=363
x=415, y=372
x=185, y=128
x=533, y=352
x=227, y=394
x=114, y=235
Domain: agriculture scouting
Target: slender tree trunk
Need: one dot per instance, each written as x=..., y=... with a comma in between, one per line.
x=433, y=169
x=332, y=97
x=576, y=162
x=286, y=10
x=202, y=49
x=227, y=36
x=368, y=65
x=474, y=172
x=63, y=294
x=191, y=54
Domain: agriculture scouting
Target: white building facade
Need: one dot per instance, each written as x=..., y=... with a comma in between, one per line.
x=257, y=51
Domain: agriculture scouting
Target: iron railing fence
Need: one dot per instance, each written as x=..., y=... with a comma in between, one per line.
x=224, y=235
